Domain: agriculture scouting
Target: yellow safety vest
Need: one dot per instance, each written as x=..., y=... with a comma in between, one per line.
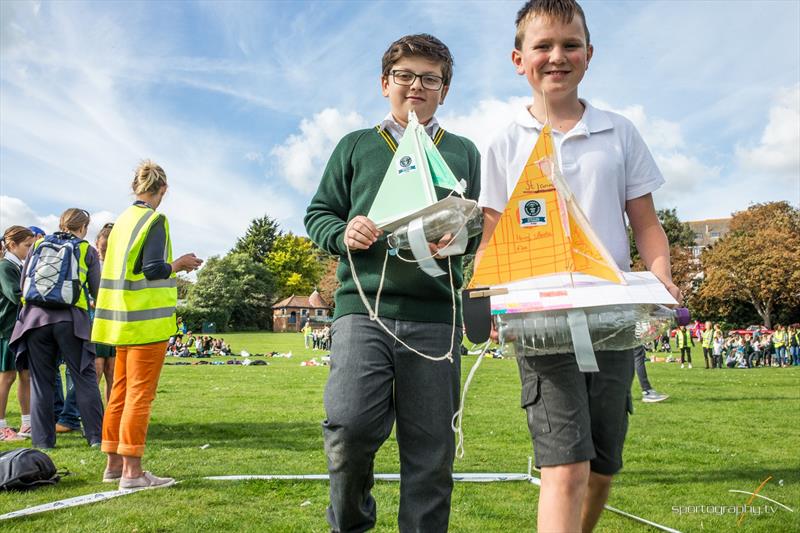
x=683, y=337
x=779, y=338
x=708, y=338
x=131, y=309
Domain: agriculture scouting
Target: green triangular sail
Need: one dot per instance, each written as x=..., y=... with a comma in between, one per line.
x=408, y=185
x=441, y=175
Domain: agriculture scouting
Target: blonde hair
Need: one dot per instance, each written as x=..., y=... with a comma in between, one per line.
x=15, y=234
x=74, y=219
x=148, y=178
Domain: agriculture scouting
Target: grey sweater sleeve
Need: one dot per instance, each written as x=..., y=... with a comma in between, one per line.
x=153, y=260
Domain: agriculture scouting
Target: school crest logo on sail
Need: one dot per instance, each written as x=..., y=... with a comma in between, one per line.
x=405, y=164
x=532, y=213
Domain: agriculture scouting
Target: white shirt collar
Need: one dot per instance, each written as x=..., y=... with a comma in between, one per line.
x=593, y=120
x=397, y=131
x=14, y=259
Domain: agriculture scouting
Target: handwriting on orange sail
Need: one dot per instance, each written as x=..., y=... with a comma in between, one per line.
x=542, y=230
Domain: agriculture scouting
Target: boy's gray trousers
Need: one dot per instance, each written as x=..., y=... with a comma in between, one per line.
x=375, y=381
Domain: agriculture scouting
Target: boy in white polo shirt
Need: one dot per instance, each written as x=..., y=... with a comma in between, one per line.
x=577, y=421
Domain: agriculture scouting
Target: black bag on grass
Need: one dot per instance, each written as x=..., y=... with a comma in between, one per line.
x=26, y=469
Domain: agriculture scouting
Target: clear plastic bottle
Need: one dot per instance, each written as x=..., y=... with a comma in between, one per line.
x=614, y=327
x=438, y=224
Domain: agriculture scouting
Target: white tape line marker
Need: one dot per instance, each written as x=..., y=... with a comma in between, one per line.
x=470, y=477
x=69, y=502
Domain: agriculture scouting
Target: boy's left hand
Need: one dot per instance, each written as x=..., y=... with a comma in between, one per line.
x=675, y=291
x=443, y=242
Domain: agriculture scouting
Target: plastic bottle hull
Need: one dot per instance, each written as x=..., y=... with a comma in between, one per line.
x=619, y=327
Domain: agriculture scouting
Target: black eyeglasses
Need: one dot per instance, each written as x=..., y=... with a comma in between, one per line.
x=406, y=78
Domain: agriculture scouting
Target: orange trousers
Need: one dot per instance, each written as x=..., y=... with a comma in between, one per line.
x=127, y=417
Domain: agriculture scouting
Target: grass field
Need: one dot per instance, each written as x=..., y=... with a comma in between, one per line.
x=720, y=430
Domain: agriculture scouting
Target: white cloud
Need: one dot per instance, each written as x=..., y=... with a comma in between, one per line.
x=17, y=212
x=777, y=152
x=302, y=157
x=485, y=120
x=685, y=172
x=76, y=120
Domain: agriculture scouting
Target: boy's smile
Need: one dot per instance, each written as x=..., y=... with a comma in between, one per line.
x=404, y=98
x=554, y=56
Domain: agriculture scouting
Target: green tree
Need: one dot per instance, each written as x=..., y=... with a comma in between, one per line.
x=236, y=290
x=756, y=262
x=259, y=239
x=678, y=233
x=296, y=265
x=328, y=283
x=681, y=239
x=184, y=286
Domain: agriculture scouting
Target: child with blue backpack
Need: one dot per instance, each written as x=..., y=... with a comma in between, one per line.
x=60, y=275
x=16, y=242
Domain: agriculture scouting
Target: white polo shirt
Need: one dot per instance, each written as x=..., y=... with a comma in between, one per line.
x=603, y=159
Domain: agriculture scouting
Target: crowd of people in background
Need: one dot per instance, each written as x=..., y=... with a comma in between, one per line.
x=187, y=345
x=316, y=339
x=735, y=349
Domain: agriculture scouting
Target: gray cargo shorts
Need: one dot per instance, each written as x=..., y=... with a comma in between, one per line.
x=575, y=416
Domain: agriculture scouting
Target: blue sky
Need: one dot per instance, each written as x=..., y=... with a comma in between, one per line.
x=242, y=103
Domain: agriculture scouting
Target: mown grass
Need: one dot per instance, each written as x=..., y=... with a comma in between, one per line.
x=720, y=430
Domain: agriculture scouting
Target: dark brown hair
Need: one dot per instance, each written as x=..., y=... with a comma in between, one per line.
x=15, y=234
x=419, y=45
x=105, y=231
x=563, y=11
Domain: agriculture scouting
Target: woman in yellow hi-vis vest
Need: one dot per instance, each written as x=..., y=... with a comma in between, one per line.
x=685, y=343
x=135, y=311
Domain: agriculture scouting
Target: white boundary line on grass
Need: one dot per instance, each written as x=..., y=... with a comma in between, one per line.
x=76, y=501
x=474, y=477
x=469, y=477
x=69, y=502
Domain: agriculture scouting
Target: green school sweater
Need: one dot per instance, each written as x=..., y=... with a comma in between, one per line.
x=348, y=187
x=10, y=293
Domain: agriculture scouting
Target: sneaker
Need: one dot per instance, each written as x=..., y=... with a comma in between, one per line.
x=9, y=434
x=61, y=428
x=683, y=366
x=111, y=477
x=690, y=365
x=25, y=431
x=653, y=396
x=145, y=481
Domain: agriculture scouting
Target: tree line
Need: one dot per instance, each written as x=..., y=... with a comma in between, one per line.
x=236, y=291
x=749, y=276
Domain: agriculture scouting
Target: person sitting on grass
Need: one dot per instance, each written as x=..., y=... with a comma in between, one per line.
x=225, y=349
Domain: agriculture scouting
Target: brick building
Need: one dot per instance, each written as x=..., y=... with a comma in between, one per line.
x=291, y=314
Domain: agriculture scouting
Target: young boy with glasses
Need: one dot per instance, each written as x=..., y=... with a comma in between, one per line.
x=375, y=381
x=577, y=421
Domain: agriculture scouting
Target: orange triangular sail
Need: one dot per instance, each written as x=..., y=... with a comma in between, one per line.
x=542, y=230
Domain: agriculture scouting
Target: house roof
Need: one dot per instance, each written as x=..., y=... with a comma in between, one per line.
x=314, y=301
